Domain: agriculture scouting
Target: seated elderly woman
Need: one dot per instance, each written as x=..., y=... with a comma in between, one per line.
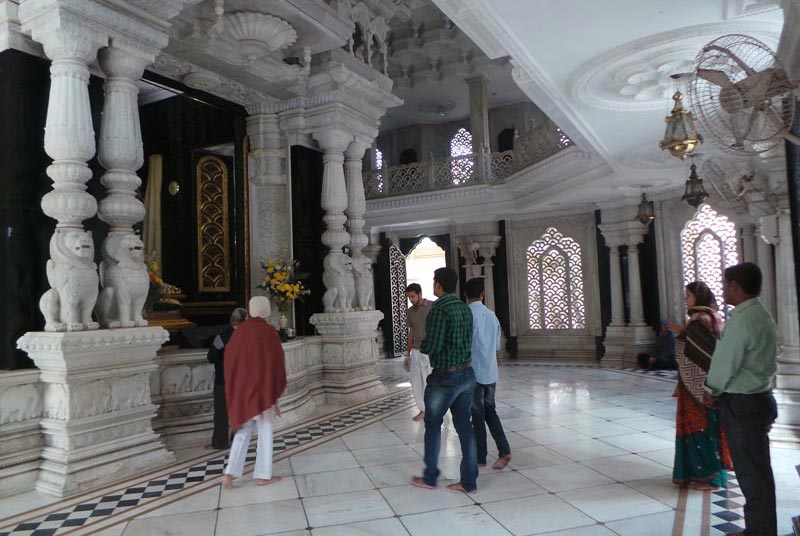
x=663, y=356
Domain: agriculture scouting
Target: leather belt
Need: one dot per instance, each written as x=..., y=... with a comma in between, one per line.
x=454, y=368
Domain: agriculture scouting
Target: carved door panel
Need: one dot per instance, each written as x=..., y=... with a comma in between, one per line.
x=216, y=278
x=397, y=278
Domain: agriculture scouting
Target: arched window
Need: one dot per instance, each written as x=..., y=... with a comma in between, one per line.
x=708, y=244
x=461, y=164
x=555, y=283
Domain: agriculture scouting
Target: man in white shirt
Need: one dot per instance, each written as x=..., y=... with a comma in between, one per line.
x=486, y=334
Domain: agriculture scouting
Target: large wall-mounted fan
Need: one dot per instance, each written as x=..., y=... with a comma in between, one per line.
x=742, y=96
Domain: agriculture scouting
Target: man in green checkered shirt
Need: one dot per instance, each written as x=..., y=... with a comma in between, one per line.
x=448, y=342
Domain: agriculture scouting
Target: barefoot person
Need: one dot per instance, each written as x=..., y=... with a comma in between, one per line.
x=485, y=344
x=742, y=374
x=416, y=362
x=255, y=377
x=448, y=340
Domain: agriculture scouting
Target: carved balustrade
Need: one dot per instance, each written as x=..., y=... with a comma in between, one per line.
x=465, y=170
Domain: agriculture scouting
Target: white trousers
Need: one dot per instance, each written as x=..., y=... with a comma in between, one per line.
x=420, y=369
x=241, y=441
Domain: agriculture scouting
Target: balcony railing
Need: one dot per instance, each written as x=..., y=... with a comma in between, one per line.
x=468, y=170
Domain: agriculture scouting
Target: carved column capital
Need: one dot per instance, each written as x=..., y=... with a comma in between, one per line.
x=333, y=141
x=357, y=148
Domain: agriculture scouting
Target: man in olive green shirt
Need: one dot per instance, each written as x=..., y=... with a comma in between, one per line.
x=741, y=375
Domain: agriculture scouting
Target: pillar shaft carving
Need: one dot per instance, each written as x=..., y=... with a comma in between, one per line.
x=123, y=273
x=338, y=269
x=269, y=202
x=69, y=141
x=356, y=207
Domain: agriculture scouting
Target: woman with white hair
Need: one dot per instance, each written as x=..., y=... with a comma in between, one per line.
x=255, y=377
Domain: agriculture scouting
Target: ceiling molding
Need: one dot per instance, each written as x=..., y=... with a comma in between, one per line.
x=468, y=15
x=735, y=9
x=628, y=77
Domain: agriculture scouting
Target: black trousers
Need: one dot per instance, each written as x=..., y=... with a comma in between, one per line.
x=484, y=411
x=221, y=437
x=746, y=420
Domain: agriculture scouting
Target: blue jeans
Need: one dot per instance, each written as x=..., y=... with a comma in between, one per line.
x=453, y=391
x=484, y=411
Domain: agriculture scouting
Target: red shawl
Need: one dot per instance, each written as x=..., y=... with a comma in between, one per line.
x=255, y=374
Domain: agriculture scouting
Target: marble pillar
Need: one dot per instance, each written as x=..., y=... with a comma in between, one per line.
x=479, y=125
x=766, y=261
x=786, y=429
x=748, y=243
x=624, y=341
x=635, y=284
x=617, y=305
x=270, y=225
x=337, y=266
x=487, y=246
x=356, y=207
x=69, y=141
x=124, y=276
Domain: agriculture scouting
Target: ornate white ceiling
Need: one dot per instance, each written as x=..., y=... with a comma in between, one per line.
x=600, y=70
x=636, y=76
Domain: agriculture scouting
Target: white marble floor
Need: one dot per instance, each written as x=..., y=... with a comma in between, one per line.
x=592, y=455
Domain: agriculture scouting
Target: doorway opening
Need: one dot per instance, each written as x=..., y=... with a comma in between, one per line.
x=423, y=260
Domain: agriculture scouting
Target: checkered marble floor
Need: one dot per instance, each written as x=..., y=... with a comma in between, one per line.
x=592, y=455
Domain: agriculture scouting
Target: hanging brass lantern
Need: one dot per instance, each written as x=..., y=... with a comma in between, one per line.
x=646, y=213
x=680, y=137
x=694, y=194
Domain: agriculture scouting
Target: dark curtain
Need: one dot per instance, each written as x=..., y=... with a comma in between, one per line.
x=307, y=229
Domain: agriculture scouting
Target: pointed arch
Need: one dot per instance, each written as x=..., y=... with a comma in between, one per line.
x=708, y=246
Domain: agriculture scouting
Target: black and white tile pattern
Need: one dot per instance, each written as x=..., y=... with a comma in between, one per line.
x=100, y=507
x=727, y=513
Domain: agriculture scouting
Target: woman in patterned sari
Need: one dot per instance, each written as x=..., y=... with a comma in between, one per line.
x=701, y=450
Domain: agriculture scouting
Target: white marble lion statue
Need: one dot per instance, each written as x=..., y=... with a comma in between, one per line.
x=362, y=274
x=338, y=280
x=73, y=279
x=125, y=282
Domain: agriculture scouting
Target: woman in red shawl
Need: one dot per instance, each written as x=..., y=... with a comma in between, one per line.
x=255, y=377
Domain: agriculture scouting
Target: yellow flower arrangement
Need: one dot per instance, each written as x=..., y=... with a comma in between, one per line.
x=282, y=282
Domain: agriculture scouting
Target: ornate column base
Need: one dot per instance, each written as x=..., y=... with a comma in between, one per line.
x=616, y=355
x=623, y=343
x=786, y=430
x=348, y=361
x=97, y=408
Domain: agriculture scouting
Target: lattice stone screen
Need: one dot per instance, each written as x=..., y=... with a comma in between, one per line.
x=709, y=245
x=462, y=168
x=555, y=283
x=397, y=280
